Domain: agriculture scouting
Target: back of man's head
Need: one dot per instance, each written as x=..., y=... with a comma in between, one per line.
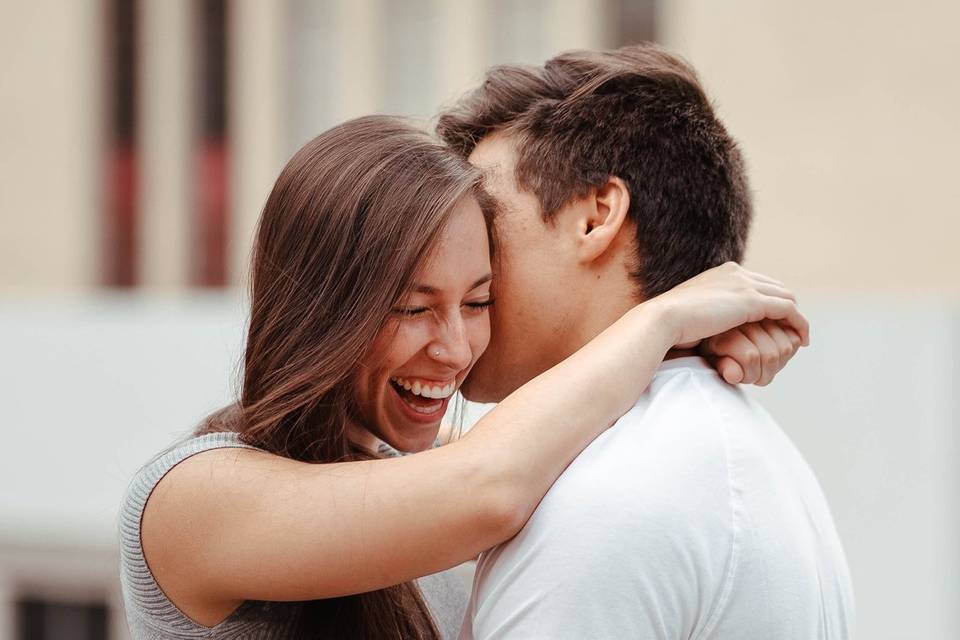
x=636, y=113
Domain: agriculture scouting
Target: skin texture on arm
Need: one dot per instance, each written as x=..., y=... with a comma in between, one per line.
x=231, y=525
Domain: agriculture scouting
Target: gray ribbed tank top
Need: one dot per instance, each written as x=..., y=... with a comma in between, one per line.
x=151, y=616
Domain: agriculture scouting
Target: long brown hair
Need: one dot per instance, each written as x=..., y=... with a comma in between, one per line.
x=345, y=229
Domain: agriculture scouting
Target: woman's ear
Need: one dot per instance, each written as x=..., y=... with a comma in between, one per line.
x=602, y=219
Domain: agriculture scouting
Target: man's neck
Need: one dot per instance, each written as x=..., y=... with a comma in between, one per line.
x=597, y=317
x=600, y=309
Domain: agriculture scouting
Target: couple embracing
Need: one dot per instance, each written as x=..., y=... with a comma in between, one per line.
x=567, y=249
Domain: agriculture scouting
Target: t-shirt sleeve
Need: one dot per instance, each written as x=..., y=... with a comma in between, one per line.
x=598, y=562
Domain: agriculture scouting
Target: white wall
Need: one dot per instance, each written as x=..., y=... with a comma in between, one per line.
x=91, y=389
x=873, y=406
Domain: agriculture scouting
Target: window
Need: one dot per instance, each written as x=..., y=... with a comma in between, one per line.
x=40, y=619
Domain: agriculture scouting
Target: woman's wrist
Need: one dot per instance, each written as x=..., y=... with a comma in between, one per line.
x=658, y=322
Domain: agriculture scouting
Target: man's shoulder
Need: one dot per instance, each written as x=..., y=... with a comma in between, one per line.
x=657, y=519
x=674, y=437
x=668, y=463
x=662, y=469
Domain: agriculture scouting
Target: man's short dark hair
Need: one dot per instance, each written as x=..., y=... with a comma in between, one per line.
x=637, y=113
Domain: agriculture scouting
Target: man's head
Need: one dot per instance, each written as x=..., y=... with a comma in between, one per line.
x=616, y=182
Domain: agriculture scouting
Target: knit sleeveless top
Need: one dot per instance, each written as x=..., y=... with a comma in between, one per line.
x=152, y=616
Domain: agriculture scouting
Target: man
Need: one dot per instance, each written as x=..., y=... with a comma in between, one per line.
x=693, y=516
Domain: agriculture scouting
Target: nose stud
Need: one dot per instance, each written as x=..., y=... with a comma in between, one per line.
x=436, y=353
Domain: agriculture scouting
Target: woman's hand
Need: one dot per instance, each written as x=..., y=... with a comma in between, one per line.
x=753, y=353
x=729, y=305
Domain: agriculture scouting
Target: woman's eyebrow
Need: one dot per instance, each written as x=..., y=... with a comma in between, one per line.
x=425, y=289
x=484, y=280
x=428, y=290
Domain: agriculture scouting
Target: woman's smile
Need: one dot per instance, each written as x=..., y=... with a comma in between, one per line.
x=422, y=400
x=418, y=403
x=425, y=388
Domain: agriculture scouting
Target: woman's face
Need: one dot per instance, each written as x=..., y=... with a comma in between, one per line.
x=433, y=338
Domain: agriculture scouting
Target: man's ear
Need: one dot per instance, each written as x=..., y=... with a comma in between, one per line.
x=602, y=219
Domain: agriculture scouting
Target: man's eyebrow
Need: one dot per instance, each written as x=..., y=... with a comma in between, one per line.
x=427, y=290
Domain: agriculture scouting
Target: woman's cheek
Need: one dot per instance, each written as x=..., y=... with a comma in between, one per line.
x=409, y=339
x=383, y=344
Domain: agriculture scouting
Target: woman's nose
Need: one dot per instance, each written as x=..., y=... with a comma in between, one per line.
x=452, y=345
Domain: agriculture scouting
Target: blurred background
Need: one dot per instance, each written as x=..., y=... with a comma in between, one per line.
x=139, y=140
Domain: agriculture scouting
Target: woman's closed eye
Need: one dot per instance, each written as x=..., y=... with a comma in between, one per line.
x=481, y=305
x=410, y=312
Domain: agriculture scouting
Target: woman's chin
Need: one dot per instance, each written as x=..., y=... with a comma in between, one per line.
x=410, y=429
x=410, y=437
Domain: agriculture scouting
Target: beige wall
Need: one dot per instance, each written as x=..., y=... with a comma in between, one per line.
x=49, y=144
x=255, y=119
x=847, y=112
x=166, y=137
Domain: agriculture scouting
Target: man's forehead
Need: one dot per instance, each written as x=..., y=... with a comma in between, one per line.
x=495, y=156
x=497, y=166
x=492, y=177
x=495, y=151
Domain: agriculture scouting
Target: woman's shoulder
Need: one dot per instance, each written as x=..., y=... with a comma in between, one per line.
x=147, y=477
x=139, y=587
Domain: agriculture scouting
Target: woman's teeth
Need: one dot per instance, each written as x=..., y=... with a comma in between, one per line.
x=428, y=409
x=425, y=389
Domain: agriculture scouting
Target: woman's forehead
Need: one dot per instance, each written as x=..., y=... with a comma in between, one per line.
x=460, y=259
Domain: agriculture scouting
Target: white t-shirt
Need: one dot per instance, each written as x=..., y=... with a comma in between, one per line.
x=692, y=517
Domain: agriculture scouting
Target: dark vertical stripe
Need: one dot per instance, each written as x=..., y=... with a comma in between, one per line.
x=635, y=21
x=120, y=232
x=211, y=221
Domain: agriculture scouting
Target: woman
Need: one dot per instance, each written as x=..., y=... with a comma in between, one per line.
x=370, y=286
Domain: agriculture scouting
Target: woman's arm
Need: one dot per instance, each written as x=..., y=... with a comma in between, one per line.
x=235, y=524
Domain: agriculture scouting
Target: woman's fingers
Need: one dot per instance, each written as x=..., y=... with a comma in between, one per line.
x=787, y=312
x=787, y=340
x=744, y=366
x=794, y=337
x=792, y=317
x=753, y=353
x=728, y=369
x=769, y=351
